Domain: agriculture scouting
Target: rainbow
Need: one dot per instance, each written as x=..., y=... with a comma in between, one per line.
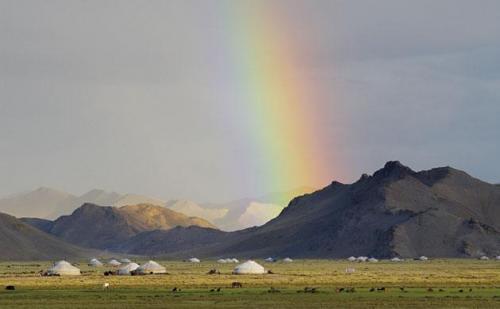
x=280, y=104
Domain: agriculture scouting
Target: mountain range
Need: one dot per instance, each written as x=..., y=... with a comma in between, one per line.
x=101, y=227
x=47, y=203
x=442, y=212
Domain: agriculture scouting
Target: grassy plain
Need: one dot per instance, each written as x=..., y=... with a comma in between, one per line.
x=463, y=284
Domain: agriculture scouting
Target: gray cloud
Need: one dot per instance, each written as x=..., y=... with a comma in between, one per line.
x=132, y=96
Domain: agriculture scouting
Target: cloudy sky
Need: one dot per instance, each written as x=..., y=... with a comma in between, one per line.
x=126, y=95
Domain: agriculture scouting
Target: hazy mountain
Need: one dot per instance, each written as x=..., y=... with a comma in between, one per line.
x=101, y=227
x=190, y=208
x=20, y=241
x=49, y=203
x=249, y=212
x=442, y=212
x=40, y=203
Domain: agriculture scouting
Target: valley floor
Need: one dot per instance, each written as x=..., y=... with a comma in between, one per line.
x=412, y=284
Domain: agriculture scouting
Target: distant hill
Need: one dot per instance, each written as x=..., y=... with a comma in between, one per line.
x=47, y=203
x=441, y=212
x=101, y=227
x=20, y=241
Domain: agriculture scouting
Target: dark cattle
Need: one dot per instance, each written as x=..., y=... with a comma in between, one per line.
x=372, y=289
x=213, y=272
x=10, y=287
x=430, y=290
x=236, y=285
x=174, y=289
x=270, y=272
x=381, y=289
x=309, y=290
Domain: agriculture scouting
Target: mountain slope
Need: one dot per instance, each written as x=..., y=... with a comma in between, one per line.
x=20, y=241
x=442, y=212
x=100, y=227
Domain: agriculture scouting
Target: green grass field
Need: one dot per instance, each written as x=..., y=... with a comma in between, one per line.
x=439, y=283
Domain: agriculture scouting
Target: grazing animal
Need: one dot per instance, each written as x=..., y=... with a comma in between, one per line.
x=402, y=289
x=105, y=286
x=372, y=289
x=339, y=290
x=309, y=290
x=460, y=291
x=174, y=289
x=273, y=290
x=381, y=289
x=236, y=285
x=212, y=290
x=270, y=272
x=218, y=289
x=10, y=288
x=470, y=290
x=430, y=290
x=350, y=290
x=213, y=272
x=441, y=290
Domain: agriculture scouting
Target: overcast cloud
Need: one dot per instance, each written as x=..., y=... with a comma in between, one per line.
x=125, y=95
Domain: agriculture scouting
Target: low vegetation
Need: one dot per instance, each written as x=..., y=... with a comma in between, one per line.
x=301, y=284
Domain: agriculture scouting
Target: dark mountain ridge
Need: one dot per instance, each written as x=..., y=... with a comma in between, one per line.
x=442, y=212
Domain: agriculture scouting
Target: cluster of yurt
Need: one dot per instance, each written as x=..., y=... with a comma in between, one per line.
x=95, y=263
x=373, y=260
x=351, y=259
x=150, y=268
x=249, y=268
x=227, y=261
x=63, y=268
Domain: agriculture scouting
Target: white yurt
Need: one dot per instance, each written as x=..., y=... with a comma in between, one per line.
x=270, y=260
x=498, y=257
x=125, y=261
x=249, y=267
x=351, y=259
x=151, y=267
x=233, y=260
x=95, y=263
x=222, y=261
x=114, y=263
x=63, y=268
x=484, y=258
x=362, y=258
x=423, y=258
x=287, y=260
x=125, y=270
x=372, y=260
x=396, y=259
x=194, y=260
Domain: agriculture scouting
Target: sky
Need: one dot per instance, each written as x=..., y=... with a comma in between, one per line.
x=151, y=97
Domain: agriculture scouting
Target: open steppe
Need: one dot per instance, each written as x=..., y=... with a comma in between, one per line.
x=444, y=283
